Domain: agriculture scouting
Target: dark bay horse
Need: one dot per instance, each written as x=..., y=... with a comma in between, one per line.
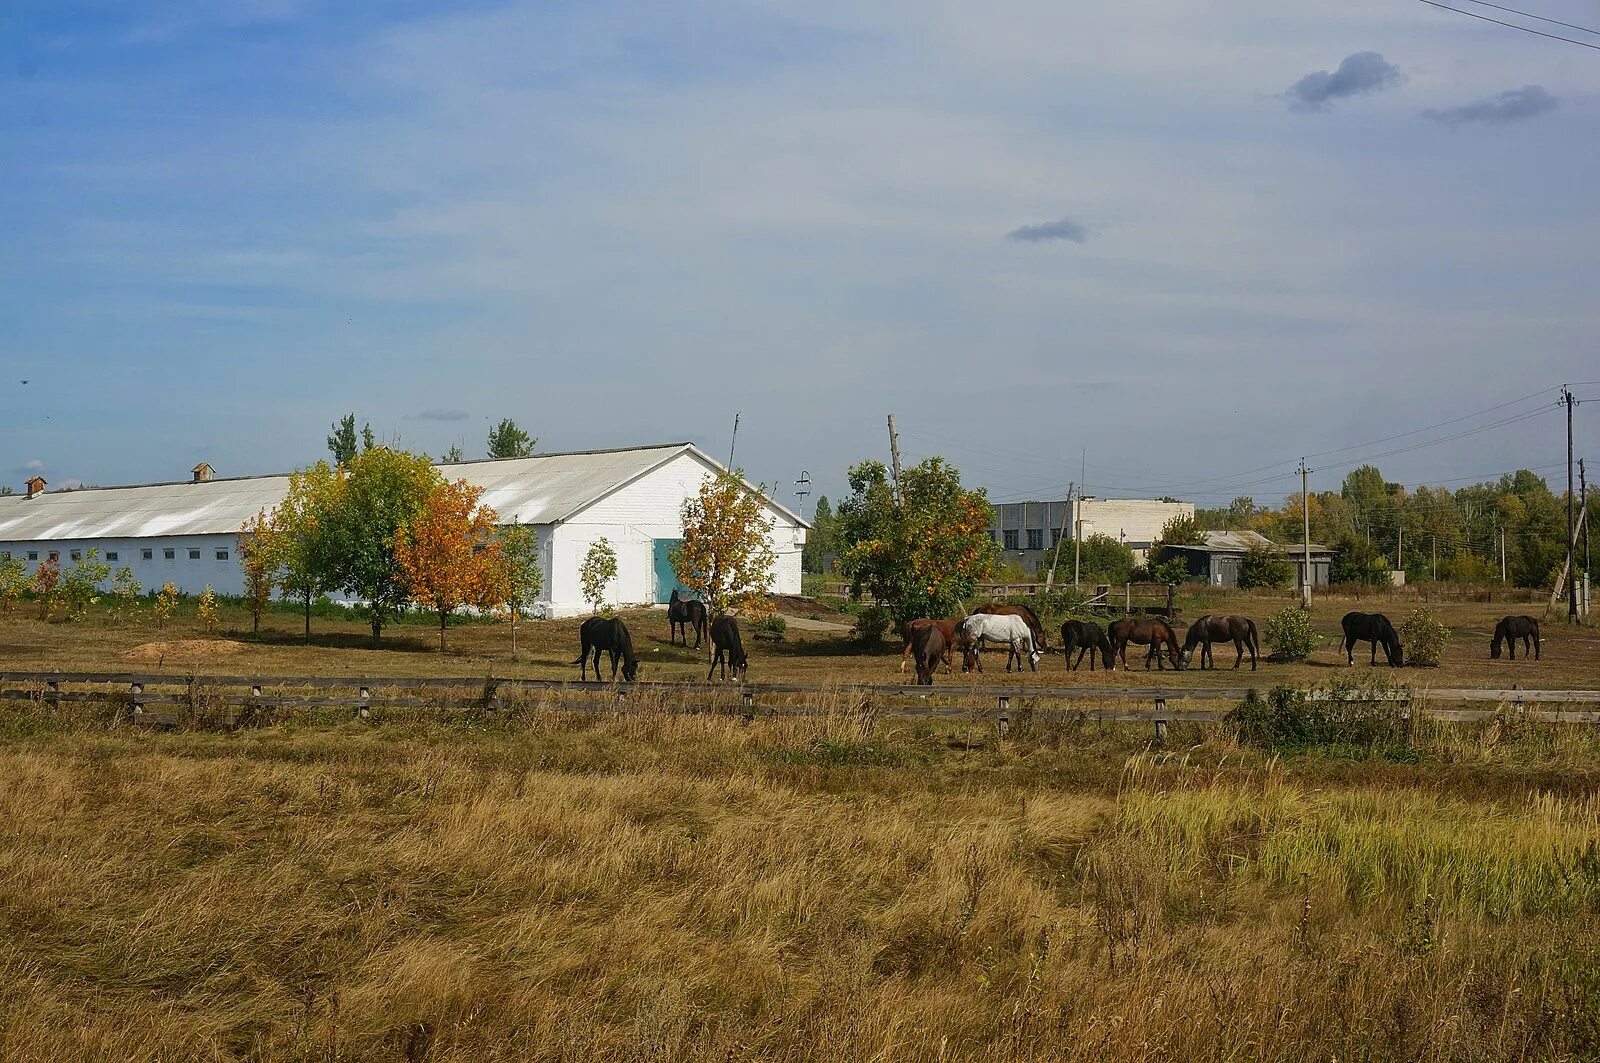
x=1149, y=631
x=1374, y=628
x=1514, y=629
x=729, y=649
x=685, y=613
x=1085, y=636
x=947, y=628
x=929, y=646
x=1239, y=630
x=611, y=635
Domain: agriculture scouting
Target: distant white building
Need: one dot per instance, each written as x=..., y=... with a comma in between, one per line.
x=187, y=532
x=1027, y=531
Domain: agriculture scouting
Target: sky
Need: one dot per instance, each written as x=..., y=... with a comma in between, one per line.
x=1174, y=245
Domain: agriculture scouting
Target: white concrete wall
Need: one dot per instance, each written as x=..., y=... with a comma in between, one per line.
x=190, y=575
x=1130, y=520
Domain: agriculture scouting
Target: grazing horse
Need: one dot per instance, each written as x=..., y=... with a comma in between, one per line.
x=685, y=613
x=947, y=628
x=1149, y=631
x=1002, y=609
x=1084, y=636
x=729, y=649
x=929, y=645
x=1010, y=629
x=1374, y=628
x=1514, y=629
x=609, y=634
x=1239, y=630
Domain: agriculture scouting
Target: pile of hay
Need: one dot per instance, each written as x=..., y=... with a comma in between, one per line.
x=183, y=650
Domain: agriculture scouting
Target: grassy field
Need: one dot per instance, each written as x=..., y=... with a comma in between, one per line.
x=648, y=886
x=823, y=653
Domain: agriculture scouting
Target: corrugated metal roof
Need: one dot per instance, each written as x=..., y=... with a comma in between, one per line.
x=1228, y=542
x=542, y=489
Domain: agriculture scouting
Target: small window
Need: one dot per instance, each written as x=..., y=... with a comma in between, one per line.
x=194, y=553
x=55, y=555
x=33, y=555
x=147, y=555
x=76, y=555
x=111, y=555
x=222, y=555
x=169, y=553
x=1011, y=538
x=1035, y=538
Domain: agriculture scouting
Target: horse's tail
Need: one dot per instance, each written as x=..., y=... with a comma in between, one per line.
x=1255, y=639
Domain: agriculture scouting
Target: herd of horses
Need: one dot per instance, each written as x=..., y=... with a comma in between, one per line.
x=931, y=643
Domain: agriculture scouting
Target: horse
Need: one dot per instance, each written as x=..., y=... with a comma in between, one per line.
x=685, y=613
x=1374, y=628
x=1511, y=630
x=1010, y=629
x=1239, y=630
x=609, y=634
x=729, y=649
x=1002, y=609
x=1084, y=636
x=929, y=645
x=947, y=628
x=1149, y=631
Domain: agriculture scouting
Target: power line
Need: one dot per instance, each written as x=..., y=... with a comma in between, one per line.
x=1539, y=18
x=1513, y=25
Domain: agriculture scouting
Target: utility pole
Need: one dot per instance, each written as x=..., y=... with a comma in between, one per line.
x=1435, y=540
x=1077, y=547
x=1305, y=516
x=1400, y=550
x=734, y=440
x=1572, y=535
x=1066, y=515
x=894, y=458
x=1502, y=532
x=1583, y=495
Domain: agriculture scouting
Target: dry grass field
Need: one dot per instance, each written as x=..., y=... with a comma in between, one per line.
x=646, y=886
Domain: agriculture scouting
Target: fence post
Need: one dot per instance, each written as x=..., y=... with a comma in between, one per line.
x=1003, y=723
x=52, y=694
x=364, y=710
x=1161, y=723
x=136, y=690
x=749, y=704
x=1516, y=704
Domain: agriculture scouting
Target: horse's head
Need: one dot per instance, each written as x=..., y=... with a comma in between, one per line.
x=1494, y=647
x=1396, y=653
x=630, y=669
x=1184, y=656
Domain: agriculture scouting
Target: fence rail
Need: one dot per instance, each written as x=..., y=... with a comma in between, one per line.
x=243, y=696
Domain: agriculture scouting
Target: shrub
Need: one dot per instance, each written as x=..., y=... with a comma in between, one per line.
x=1264, y=566
x=872, y=623
x=1363, y=715
x=207, y=609
x=599, y=568
x=13, y=580
x=770, y=628
x=1174, y=569
x=125, y=591
x=1424, y=636
x=46, y=586
x=166, y=602
x=1290, y=635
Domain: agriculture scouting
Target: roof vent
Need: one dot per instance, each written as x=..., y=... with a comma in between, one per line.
x=35, y=486
x=202, y=473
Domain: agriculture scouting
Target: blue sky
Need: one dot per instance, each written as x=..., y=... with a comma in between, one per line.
x=1190, y=239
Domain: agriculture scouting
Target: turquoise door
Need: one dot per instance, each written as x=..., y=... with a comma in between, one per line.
x=666, y=579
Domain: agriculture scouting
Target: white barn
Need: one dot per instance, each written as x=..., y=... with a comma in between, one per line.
x=187, y=532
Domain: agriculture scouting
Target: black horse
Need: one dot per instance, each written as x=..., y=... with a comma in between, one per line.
x=1239, y=630
x=1085, y=636
x=1375, y=629
x=928, y=648
x=1149, y=631
x=685, y=613
x=729, y=648
x=1514, y=629
x=609, y=634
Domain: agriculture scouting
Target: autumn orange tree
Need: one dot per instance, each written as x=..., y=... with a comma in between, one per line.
x=921, y=553
x=726, y=555
x=448, y=554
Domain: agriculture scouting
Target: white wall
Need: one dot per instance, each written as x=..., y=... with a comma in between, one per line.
x=189, y=575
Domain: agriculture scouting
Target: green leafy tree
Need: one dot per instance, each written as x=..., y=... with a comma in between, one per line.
x=383, y=491
x=923, y=555
x=206, y=609
x=1102, y=559
x=1355, y=560
x=342, y=440
x=820, y=541
x=260, y=551
x=599, y=568
x=125, y=591
x=726, y=555
x=166, y=603
x=522, y=570
x=302, y=535
x=13, y=581
x=454, y=455
x=80, y=584
x=1265, y=566
x=368, y=440
x=506, y=440
x=1179, y=531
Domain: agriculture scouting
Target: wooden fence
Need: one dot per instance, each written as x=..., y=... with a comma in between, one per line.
x=166, y=699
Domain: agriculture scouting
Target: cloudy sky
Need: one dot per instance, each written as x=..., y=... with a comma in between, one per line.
x=1185, y=242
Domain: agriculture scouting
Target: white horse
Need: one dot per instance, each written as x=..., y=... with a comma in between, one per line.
x=1011, y=630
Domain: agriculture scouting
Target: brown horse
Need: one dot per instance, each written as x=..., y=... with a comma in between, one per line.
x=929, y=645
x=1239, y=630
x=1149, y=631
x=947, y=628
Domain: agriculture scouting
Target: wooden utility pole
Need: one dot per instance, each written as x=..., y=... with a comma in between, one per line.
x=1066, y=515
x=733, y=441
x=1572, y=528
x=1305, y=516
x=1583, y=500
x=894, y=458
x=1435, y=540
x=1502, y=554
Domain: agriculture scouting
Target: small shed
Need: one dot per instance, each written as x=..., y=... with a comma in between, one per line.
x=1217, y=560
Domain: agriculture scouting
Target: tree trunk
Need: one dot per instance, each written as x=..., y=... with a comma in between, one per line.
x=377, y=629
x=308, y=618
x=441, y=630
x=255, y=624
x=513, y=634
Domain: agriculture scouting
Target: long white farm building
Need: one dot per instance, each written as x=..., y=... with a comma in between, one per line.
x=187, y=532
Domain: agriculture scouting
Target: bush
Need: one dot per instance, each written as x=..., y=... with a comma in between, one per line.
x=1355, y=560
x=1290, y=635
x=872, y=623
x=1173, y=570
x=1362, y=715
x=770, y=628
x=1264, y=566
x=1424, y=638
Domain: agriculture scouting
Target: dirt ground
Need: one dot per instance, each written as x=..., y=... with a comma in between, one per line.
x=816, y=648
